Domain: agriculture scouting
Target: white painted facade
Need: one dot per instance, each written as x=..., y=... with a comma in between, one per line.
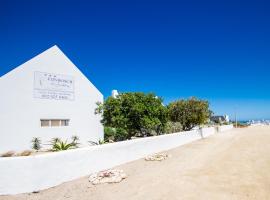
x=227, y=118
x=114, y=93
x=49, y=86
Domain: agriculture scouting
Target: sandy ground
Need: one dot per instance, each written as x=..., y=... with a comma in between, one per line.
x=231, y=165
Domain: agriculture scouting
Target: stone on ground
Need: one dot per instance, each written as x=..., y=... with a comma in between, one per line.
x=157, y=157
x=107, y=176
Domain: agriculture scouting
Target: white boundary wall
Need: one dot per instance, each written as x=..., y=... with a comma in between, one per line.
x=33, y=173
x=224, y=128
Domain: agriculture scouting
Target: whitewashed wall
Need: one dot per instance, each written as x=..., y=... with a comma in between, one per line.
x=206, y=132
x=28, y=174
x=225, y=128
x=20, y=111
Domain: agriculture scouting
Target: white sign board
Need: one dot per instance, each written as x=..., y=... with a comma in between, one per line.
x=53, y=86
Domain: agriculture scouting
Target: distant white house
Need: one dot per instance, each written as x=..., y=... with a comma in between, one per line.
x=220, y=119
x=47, y=97
x=114, y=93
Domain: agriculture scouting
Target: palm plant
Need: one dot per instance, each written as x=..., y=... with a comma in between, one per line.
x=36, y=143
x=55, y=140
x=75, y=141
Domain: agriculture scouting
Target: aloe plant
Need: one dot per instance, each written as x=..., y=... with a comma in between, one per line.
x=62, y=146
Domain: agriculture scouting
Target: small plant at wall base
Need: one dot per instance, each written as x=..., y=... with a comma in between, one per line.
x=36, y=143
x=75, y=141
x=55, y=140
x=99, y=142
x=59, y=145
x=62, y=146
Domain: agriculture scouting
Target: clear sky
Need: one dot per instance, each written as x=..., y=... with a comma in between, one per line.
x=215, y=50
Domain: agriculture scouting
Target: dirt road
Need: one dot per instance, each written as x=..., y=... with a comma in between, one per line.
x=230, y=165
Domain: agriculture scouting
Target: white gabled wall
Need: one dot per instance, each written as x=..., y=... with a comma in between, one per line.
x=20, y=112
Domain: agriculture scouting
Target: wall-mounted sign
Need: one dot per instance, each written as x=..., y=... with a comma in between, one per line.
x=53, y=86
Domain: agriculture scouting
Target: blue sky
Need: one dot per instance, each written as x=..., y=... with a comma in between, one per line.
x=215, y=50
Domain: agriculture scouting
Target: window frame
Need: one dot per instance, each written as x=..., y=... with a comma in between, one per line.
x=62, y=123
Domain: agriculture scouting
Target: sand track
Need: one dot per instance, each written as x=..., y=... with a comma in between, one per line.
x=231, y=165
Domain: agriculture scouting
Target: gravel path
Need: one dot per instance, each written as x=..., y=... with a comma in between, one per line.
x=230, y=165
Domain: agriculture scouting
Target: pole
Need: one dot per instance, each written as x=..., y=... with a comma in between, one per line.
x=235, y=120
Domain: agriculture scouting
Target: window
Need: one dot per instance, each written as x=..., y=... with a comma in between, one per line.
x=54, y=122
x=64, y=122
x=45, y=122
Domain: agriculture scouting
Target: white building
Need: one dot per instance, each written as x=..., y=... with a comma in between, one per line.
x=227, y=118
x=47, y=97
x=114, y=93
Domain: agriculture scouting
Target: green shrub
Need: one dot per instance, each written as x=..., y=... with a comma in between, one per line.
x=115, y=134
x=109, y=134
x=190, y=113
x=102, y=142
x=120, y=135
x=136, y=113
x=174, y=127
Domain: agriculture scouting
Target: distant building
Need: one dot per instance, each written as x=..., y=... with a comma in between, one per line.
x=220, y=119
x=114, y=93
x=227, y=118
x=47, y=97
